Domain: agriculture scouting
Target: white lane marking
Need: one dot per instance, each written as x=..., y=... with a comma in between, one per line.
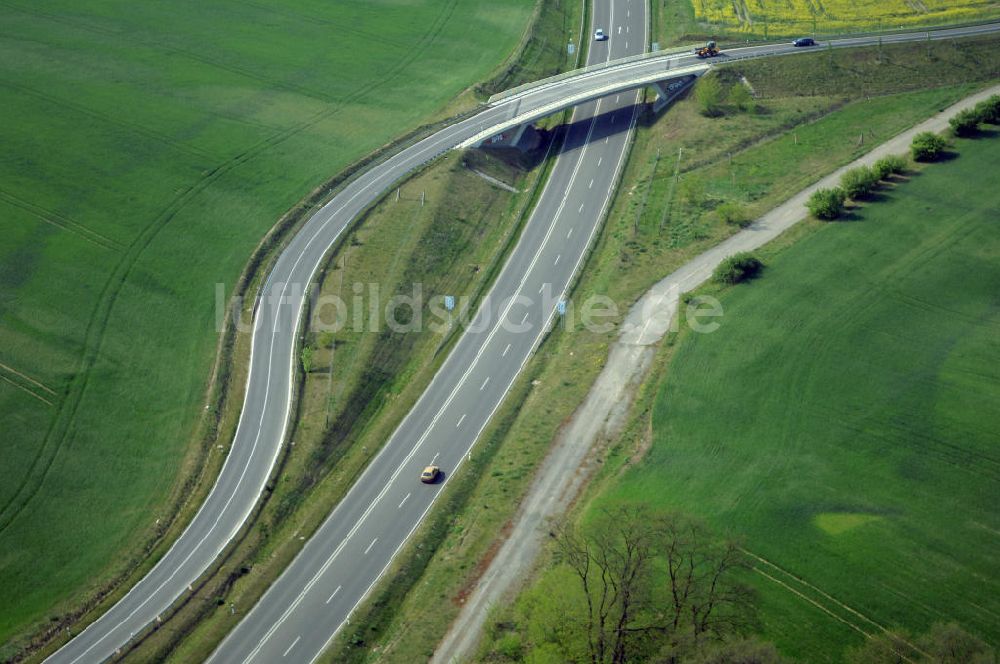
x=619, y=29
x=541, y=288
x=525, y=318
x=570, y=233
x=481, y=387
x=557, y=259
x=591, y=185
x=606, y=138
x=599, y=160
x=626, y=29
x=329, y=599
x=292, y=646
x=370, y=546
x=552, y=314
x=460, y=420
x=581, y=208
x=398, y=507
x=386, y=173
x=357, y=525
x=504, y=354
x=435, y=458
x=626, y=46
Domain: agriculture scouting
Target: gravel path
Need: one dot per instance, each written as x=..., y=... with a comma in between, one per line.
x=568, y=463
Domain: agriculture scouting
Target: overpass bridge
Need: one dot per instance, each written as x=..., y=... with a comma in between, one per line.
x=668, y=71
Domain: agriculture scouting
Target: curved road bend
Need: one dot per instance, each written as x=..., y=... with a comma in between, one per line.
x=299, y=615
x=262, y=424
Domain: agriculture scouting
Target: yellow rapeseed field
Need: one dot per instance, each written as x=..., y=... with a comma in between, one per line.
x=781, y=17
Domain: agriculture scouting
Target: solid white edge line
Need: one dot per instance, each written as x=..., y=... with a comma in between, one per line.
x=462, y=379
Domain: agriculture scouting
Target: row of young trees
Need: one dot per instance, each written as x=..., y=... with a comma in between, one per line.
x=859, y=183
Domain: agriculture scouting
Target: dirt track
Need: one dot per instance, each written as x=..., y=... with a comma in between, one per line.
x=567, y=465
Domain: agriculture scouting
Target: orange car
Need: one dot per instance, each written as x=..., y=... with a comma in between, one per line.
x=430, y=474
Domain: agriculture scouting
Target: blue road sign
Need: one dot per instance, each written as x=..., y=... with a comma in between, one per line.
x=449, y=302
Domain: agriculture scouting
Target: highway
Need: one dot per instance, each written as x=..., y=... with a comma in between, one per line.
x=301, y=612
x=339, y=565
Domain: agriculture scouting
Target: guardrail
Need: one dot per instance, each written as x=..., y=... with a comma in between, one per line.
x=731, y=38
x=513, y=92
x=724, y=44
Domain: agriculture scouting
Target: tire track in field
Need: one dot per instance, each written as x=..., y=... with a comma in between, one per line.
x=60, y=427
x=189, y=150
x=854, y=613
x=25, y=388
x=61, y=221
x=120, y=35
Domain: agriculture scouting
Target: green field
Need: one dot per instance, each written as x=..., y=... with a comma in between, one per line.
x=147, y=149
x=844, y=419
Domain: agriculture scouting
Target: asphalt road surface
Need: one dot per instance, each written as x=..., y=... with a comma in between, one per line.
x=298, y=616
x=302, y=611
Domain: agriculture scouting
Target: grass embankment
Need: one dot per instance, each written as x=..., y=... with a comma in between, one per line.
x=843, y=420
x=627, y=259
x=769, y=18
x=147, y=149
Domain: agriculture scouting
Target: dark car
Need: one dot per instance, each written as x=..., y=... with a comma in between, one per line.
x=804, y=41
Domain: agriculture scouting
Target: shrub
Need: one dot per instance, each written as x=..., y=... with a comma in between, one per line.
x=741, y=98
x=859, y=182
x=735, y=214
x=826, y=203
x=927, y=146
x=988, y=110
x=965, y=123
x=738, y=268
x=708, y=92
x=890, y=165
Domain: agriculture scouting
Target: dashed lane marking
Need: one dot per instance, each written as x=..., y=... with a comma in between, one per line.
x=292, y=646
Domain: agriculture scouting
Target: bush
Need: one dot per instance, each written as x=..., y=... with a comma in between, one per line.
x=890, y=165
x=708, y=92
x=988, y=110
x=965, y=123
x=735, y=214
x=826, y=203
x=741, y=98
x=738, y=268
x=927, y=146
x=859, y=182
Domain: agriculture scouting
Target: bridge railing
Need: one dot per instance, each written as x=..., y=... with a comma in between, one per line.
x=726, y=43
x=513, y=92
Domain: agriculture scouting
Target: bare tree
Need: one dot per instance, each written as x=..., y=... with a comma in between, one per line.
x=653, y=582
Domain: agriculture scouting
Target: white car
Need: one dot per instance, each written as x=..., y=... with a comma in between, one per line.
x=599, y=35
